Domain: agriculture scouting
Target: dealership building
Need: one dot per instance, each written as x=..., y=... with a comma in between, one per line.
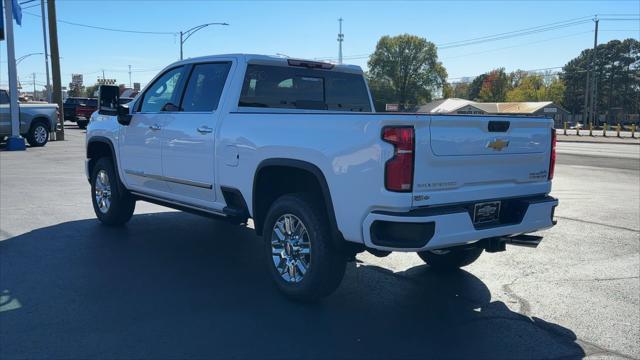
x=469, y=107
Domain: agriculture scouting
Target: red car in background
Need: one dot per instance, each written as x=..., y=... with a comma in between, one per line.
x=84, y=110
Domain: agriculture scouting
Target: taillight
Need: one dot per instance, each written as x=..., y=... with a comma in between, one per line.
x=398, y=172
x=552, y=160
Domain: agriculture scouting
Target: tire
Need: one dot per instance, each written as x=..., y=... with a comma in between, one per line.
x=82, y=124
x=38, y=135
x=321, y=254
x=112, y=204
x=452, y=258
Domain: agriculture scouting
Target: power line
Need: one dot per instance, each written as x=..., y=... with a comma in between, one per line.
x=30, y=6
x=109, y=29
x=504, y=35
x=516, y=32
x=515, y=46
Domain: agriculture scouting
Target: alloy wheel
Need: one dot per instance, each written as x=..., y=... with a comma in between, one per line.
x=40, y=134
x=103, y=191
x=290, y=248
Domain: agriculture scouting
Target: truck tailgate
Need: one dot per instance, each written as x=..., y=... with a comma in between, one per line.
x=480, y=157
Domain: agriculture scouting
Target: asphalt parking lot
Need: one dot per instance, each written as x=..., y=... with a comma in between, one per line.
x=173, y=285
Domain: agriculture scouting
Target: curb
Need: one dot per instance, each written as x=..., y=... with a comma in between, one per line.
x=599, y=142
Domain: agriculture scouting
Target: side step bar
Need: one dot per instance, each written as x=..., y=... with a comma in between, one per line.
x=498, y=244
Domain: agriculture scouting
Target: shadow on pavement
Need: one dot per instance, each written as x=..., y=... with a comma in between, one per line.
x=173, y=285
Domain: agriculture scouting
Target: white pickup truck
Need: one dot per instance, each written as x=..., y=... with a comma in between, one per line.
x=295, y=146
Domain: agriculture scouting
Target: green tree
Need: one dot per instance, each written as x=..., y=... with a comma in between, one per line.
x=617, y=69
x=91, y=91
x=534, y=87
x=456, y=90
x=404, y=69
x=475, y=87
x=75, y=90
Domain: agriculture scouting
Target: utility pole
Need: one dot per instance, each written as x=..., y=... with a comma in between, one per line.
x=181, y=42
x=34, y=86
x=56, y=97
x=588, y=91
x=130, y=86
x=594, y=86
x=340, y=40
x=15, y=141
x=103, y=75
x=46, y=49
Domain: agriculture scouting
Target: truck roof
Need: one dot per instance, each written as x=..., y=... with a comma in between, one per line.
x=276, y=60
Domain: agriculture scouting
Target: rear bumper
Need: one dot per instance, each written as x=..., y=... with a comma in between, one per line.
x=452, y=225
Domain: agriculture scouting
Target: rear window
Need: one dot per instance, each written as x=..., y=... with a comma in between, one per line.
x=92, y=102
x=301, y=88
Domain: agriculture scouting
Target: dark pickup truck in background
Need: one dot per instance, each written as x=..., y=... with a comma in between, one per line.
x=70, y=107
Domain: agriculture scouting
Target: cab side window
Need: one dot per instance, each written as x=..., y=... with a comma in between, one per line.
x=205, y=87
x=164, y=92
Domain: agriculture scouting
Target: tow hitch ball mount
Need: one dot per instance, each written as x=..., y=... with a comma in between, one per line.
x=498, y=244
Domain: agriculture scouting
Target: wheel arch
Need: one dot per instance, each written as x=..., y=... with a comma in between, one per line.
x=97, y=147
x=260, y=201
x=41, y=120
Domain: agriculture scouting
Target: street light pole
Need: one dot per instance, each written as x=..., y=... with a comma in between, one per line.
x=46, y=49
x=185, y=35
x=21, y=58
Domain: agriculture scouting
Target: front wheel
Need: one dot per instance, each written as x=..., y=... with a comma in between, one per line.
x=112, y=204
x=304, y=259
x=452, y=258
x=82, y=124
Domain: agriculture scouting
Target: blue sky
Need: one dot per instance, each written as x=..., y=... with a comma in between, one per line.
x=309, y=30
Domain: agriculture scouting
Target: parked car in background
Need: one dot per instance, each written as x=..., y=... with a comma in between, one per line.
x=297, y=146
x=84, y=111
x=36, y=120
x=69, y=107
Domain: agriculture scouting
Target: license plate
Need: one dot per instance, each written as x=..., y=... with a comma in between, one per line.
x=486, y=212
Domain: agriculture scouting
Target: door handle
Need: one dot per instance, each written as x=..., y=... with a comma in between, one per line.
x=154, y=127
x=205, y=130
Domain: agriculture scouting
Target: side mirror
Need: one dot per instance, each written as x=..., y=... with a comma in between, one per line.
x=124, y=115
x=109, y=104
x=108, y=99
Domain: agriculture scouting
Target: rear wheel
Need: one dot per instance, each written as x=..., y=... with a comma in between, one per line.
x=38, y=135
x=112, y=204
x=304, y=259
x=452, y=258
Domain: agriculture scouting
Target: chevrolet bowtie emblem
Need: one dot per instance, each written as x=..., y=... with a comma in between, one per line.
x=498, y=144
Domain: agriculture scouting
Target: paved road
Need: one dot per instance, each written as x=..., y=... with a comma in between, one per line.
x=616, y=156
x=173, y=285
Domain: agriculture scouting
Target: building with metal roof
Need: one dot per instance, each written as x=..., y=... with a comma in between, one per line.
x=469, y=107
